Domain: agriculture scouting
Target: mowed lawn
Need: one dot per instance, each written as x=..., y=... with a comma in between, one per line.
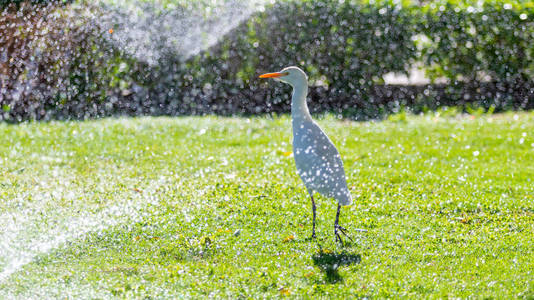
x=212, y=207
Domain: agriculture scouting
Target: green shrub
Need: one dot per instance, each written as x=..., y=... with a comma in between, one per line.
x=63, y=63
x=491, y=42
x=6, y=3
x=60, y=63
x=345, y=47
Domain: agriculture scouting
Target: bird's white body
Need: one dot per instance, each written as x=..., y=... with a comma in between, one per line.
x=318, y=162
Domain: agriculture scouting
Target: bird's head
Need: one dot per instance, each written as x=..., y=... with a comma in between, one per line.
x=293, y=76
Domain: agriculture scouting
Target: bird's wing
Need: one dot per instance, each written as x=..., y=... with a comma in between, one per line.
x=321, y=145
x=315, y=151
x=319, y=163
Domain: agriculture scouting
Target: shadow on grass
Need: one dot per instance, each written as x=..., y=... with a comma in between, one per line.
x=329, y=262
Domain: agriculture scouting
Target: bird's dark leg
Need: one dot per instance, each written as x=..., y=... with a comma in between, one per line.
x=338, y=227
x=313, y=210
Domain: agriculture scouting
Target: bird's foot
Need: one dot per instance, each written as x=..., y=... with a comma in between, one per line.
x=337, y=229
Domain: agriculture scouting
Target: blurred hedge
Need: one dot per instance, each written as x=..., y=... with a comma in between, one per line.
x=342, y=46
x=62, y=63
x=17, y=3
x=491, y=42
x=57, y=63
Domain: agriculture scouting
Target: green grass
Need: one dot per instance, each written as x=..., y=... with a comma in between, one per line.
x=208, y=206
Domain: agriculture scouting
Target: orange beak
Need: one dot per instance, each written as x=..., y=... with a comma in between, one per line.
x=273, y=75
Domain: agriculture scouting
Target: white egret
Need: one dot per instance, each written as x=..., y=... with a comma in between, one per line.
x=318, y=162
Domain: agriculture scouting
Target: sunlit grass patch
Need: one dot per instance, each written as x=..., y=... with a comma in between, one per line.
x=209, y=206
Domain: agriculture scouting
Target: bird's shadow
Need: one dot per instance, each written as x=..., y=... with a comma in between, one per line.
x=329, y=262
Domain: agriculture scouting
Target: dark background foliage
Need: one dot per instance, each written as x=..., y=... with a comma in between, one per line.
x=58, y=61
x=17, y=3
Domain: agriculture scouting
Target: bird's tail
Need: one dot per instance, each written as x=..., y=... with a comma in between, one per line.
x=345, y=198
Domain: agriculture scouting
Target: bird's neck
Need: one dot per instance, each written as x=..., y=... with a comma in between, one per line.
x=299, y=108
